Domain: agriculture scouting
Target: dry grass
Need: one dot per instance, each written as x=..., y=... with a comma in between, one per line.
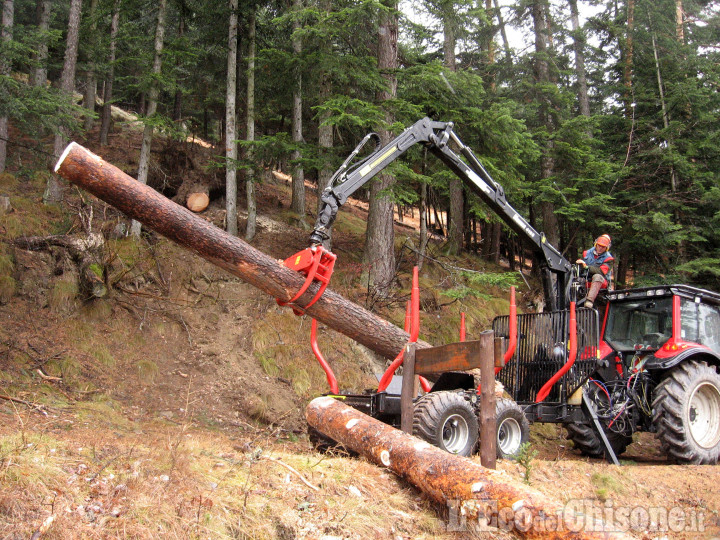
x=184, y=482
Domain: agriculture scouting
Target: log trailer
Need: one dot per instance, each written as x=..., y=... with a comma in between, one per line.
x=645, y=359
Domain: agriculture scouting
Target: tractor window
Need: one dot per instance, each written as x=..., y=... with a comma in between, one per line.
x=634, y=322
x=689, y=321
x=709, y=326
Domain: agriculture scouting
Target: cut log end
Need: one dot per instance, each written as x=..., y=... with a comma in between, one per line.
x=197, y=202
x=65, y=153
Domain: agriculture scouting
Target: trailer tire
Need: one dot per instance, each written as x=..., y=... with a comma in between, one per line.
x=686, y=413
x=513, y=428
x=446, y=420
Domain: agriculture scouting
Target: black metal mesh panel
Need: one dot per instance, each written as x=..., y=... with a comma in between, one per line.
x=542, y=349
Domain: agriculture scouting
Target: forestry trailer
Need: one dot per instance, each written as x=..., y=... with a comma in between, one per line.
x=644, y=359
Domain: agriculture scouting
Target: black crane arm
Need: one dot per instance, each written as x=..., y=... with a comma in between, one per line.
x=436, y=136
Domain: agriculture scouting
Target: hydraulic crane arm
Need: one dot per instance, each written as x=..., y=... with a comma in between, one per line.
x=435, y=136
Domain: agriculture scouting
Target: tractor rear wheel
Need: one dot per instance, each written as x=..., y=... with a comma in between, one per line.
x=446, y=420
x=686, y=413
x=513, y=429
x=587, y=440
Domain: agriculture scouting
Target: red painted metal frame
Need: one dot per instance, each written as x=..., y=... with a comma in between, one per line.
x=572, y=353
x=317, y=264
x=412, y=325
x=332, y=381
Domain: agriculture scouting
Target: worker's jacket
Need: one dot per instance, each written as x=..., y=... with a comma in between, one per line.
x=601, y=264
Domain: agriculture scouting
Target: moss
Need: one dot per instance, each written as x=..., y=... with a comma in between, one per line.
x=7, y=181
x=8, y=286
x=6, y=265
x=147, y=370
x=63, y=293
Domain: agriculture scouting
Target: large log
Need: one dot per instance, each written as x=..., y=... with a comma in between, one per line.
x=471, y=492
x=142, y=203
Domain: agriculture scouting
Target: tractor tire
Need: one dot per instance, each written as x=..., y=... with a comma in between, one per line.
x=513, y=428
x=686, y=413
x=446, y=420
x=587, y=440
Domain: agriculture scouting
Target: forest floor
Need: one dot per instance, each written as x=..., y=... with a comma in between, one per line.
x=174, y=407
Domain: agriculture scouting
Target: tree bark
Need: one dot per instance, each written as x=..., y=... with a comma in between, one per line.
x=542, y=77
x=153, y=93
x=298, y=178
x=325, y=131
x=90, y=79
x=53, y=191
x=456, y=216
x=108, y=92
x=86, y=252
x=380, y=238
x=250, y=134
x=8, y=16
x=141, y=202
x=628, y=59
x=503, y=31
x=230, y=123
x=43, y=9
x=579, y=47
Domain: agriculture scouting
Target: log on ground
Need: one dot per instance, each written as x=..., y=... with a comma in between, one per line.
x=142, y=203
x=458, y=483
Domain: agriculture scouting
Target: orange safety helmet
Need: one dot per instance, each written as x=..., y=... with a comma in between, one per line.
x=603, y=240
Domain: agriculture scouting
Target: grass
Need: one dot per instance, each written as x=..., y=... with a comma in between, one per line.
x=606, y=485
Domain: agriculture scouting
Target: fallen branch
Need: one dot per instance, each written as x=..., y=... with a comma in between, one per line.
x=295, y=472
x=43, y=528
x=30, y=404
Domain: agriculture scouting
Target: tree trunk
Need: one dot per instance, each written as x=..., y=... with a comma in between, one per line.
x=144, y=164
x=250, y=134
x=542, y=78
x=43, y=10
x=180, y=225
x=108, y=92
x=325, y=131
x=456, y=216
x=298, y=178
x=177, y=104
x=90, y=79
x=230, y=123
x=503, y=31
x=8, y=16
x=628, y=59
x=380, y=238
x=580, y=72
x=53, y=191
x=680, y=22
x=423, y=223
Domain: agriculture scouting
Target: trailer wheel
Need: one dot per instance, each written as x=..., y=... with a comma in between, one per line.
x=686, y=413
x=446, y=420
x=513, y=429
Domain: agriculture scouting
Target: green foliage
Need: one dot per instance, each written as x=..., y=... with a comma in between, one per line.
x=525, y=457
x=503, y=280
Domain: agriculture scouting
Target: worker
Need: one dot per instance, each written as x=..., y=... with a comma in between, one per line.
x=598, y=262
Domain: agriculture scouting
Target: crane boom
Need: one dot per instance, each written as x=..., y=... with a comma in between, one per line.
x=436, y=136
